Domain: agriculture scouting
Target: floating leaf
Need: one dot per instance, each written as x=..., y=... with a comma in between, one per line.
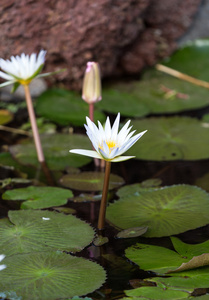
x=156, y=293
x=38, y=197
x=194, y=53
x=56, y=149
x=84, y=197
x=162, y=260
x=172, y=138
x=65, y=107
x=165, y=211
x=126, y=103
x=5, y=116
x=100, y=240
x=131, y=232
x=90, y=181
x=155, y=93
x=35, y=230
x=50, y=275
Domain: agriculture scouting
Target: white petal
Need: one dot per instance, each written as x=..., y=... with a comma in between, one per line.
x=6, y=76
x=2, y=267
x=121, y=158
x=90, y=153
x=2, y=256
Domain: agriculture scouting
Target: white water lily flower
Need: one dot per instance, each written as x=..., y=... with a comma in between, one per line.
x=108, y=142
x=22, y=69
x=2, y=267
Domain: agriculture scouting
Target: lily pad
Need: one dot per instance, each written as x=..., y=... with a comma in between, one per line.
x=90, y=181
x=155, y=93
x=38, y=197
x=129, y=105
x=165, y=211
x=5, y=116
x=56, y=149
x=156, y=293
x=36, y=230
x=131, y=232
x=65, y=107
x=162, y=260
x=192, y=59
x=174, y=138
x=50, y=275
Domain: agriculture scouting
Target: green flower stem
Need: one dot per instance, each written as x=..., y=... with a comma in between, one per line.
x=32, y=117
x=103, y=204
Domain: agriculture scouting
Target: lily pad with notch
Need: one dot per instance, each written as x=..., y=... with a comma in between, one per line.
x=38, y=197
x=36, y=230
x=161, y=260
x=165, y=211
x=64, y=107
x=50, y=275
x=56, y=149
x=90, y=181
x=173, y=138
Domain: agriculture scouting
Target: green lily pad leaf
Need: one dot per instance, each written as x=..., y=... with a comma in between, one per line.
x=156, y=293
x=65, y=107
x=195, y=52
x=12, y=181
x=65, y=210
x=90, y=181
x=5, y=116
x=56, y=149
x=159, y=93
x=172, y=138
x=100, y=240
x=84, y=197
x=128, y=104
x=165, y=211
x=134, y=189
x=35, y=230
x=203, y=182
x=162, y=260
x=190, y=280
x=131, y=232
x=38, y=197
x=196, y=262
x=50, y=275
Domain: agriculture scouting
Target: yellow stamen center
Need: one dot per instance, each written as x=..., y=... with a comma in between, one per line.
x=110, y=144
x=24, y=81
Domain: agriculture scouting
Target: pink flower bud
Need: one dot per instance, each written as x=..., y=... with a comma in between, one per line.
x=91, y=92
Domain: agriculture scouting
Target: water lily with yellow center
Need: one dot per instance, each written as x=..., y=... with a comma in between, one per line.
x=109, y=144
x=22, y=69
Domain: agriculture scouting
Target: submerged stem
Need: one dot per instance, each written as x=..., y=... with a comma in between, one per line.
x=34, y=124
x=103, y=204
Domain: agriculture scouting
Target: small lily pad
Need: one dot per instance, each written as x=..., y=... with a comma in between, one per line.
x=100, y=240
x=165, y=211
x=90, y=181
x=56, y=149
x=5, y=116
x=50, y=275
x=38, y=197
x=173, y=138
x=37, y=230
x=156, y=293
x=65, y=107
x=84, y=197
x=131, y=232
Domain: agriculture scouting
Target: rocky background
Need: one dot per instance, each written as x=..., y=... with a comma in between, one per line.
x=123, y=36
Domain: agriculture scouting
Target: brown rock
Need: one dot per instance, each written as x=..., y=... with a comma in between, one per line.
x=123, y=36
